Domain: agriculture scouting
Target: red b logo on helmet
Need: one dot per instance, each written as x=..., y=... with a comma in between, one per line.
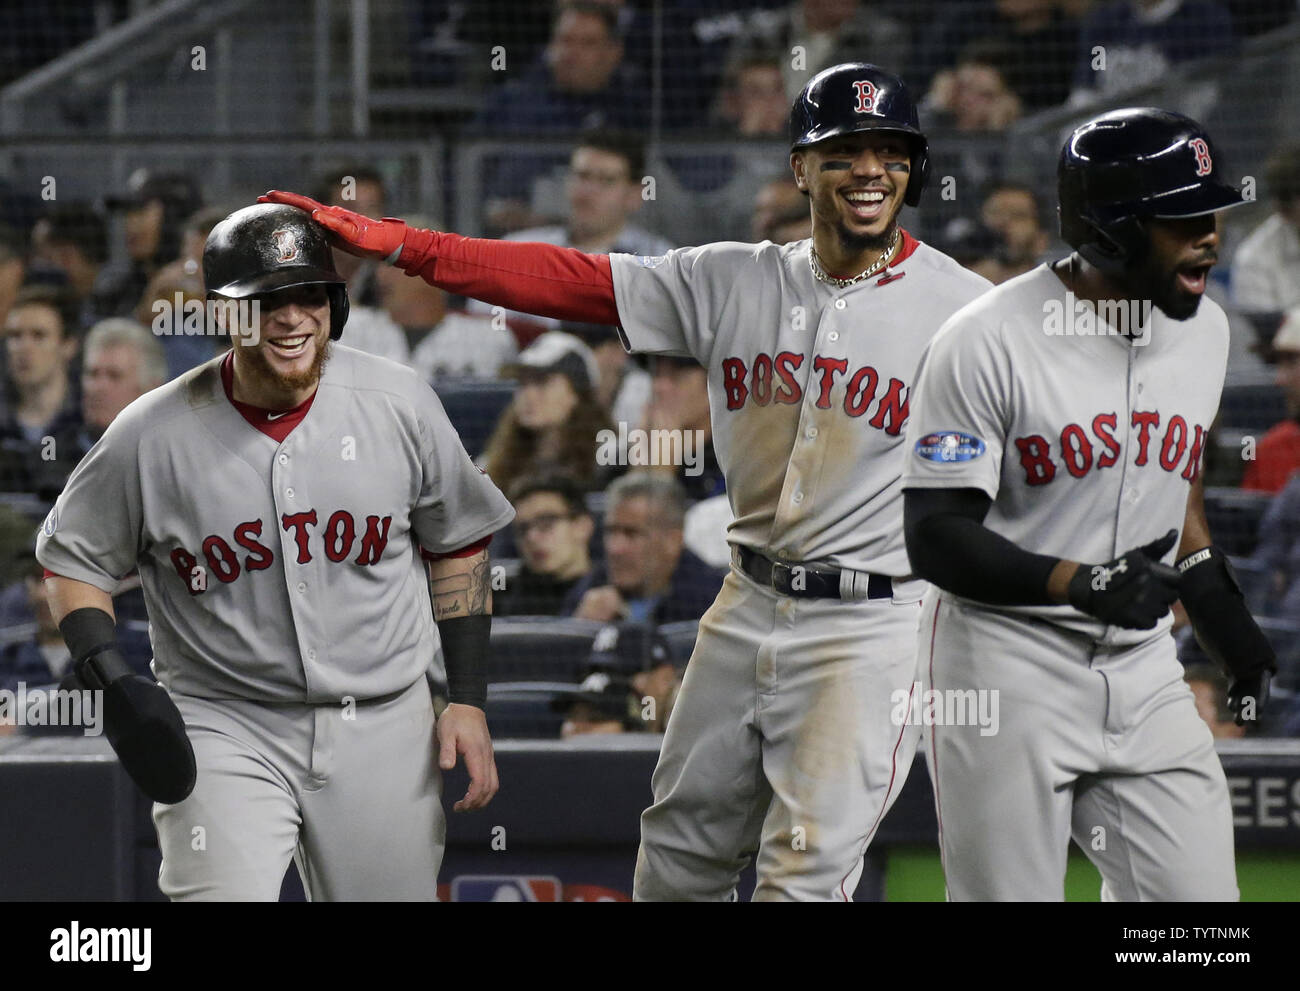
x=866, y=90
x=1204, y=164
x=287, y=245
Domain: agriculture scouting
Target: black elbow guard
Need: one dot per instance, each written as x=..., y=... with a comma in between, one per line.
x=1217, y=608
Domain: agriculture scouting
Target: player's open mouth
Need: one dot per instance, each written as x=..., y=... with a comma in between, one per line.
x=290, y=347
x=866, y=204
x=1193, y=277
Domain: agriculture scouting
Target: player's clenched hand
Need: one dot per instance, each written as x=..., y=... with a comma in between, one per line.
x=462, y=729
x=1134, y=590
x=355, y=233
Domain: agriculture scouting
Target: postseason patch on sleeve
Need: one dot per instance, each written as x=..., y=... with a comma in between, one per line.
x=949, y=446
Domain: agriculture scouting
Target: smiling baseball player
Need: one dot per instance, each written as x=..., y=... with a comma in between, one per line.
x=781, y=740
x=1035, y=446
x=279, y=503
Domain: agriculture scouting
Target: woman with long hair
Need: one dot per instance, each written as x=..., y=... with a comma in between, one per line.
x=554, y=418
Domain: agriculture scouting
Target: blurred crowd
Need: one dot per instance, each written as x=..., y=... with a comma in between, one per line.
x=98, y=299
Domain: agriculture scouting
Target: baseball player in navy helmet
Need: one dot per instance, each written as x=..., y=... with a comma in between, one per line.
x=781, y=740
x=307, y=529
x=1054, y=498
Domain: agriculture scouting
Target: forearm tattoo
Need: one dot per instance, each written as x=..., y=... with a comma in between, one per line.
x=465, y=593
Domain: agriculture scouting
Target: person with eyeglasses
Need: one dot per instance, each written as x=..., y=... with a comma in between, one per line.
x=553, y=531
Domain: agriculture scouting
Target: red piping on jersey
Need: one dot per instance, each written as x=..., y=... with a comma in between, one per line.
x=905, y=250
x=544, y=279
x=893, y=773
x=934, y=750
x=469, y=550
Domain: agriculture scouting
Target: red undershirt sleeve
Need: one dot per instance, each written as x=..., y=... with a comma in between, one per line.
x=562, y=283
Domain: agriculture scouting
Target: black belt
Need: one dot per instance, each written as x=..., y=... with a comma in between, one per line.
x=804, y=582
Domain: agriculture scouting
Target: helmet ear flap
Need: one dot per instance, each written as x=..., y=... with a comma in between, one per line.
x=339, y=307
x=920, y=177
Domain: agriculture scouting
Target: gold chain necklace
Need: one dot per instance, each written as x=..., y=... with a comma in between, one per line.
x=820, y=273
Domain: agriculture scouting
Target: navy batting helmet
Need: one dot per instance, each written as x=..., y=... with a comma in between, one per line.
x=859, y=96
x=1126, y=166
x=266, y=247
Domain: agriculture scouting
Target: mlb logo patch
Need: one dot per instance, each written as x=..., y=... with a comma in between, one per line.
x=505, y=888
x=949, y=447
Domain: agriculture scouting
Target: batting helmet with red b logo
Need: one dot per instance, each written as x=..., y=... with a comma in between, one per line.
x=859, y=96
x=267, y=247
x=1129, y=165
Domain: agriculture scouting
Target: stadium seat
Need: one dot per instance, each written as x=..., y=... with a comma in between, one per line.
x=541, y=649
x=474, y=406
x=527, y=710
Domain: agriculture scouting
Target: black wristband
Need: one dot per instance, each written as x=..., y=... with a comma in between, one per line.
x=465, y=653
x=1219, y=615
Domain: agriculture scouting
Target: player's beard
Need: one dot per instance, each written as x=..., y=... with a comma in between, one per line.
x=856, y=244
x=1151, y=281
x=260, y=370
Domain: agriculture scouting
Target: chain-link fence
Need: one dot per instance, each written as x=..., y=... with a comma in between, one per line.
x=605, y=125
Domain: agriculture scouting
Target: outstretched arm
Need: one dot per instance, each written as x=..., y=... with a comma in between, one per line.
x=544, y=279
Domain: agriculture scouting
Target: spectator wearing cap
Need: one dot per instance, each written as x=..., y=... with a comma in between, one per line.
x=622, y=386
x=679, y=404
x=552, y=529
x=648, y=575
x=1266, y=266
x=72, y=238
x=41, y=418
x=121, y=362
x=442, y=343
x=155, y=207
x=1277, y=454
x=630, y=685
x=554, y=418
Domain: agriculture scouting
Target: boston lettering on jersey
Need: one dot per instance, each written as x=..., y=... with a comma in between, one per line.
x=337, y=539
x=1180, y=445
x=771, y=379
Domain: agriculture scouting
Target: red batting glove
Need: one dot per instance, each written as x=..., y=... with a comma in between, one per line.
x=353, y=232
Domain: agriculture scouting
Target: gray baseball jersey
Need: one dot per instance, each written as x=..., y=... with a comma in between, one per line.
x=1088, y=445
x=809, y=385
x=278, y=572
x=781, y=737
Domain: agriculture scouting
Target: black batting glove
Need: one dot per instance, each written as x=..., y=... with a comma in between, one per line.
x=1133, y=591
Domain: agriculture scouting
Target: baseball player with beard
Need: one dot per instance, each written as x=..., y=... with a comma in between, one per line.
x=1034, y=445
x=781, y=741
x=292, y=508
